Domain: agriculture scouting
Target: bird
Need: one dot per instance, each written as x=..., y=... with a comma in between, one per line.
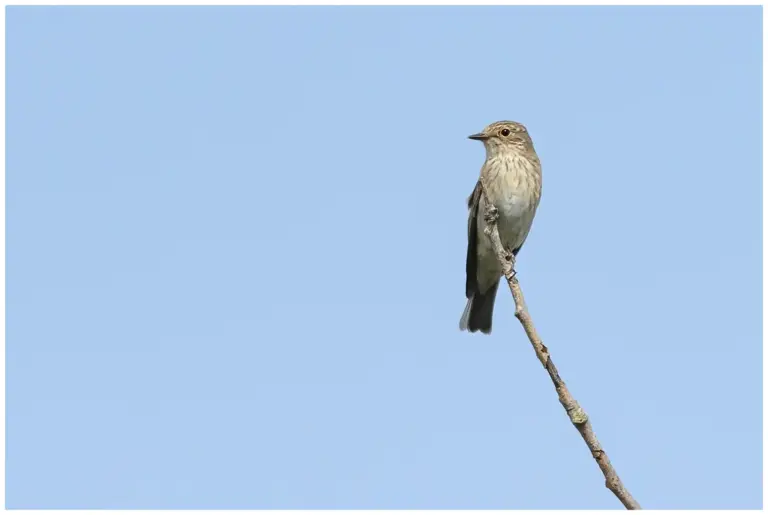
x=512, y=175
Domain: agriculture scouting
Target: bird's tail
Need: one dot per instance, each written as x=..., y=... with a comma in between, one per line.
x=478, y=315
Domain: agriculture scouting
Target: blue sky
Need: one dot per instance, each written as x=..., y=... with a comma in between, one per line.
x=236, y=241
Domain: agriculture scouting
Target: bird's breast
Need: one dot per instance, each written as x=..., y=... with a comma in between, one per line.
x=514, y=187
x=512, y=205
x=514, y=184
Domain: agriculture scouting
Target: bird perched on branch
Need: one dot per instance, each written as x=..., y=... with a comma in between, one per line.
x=512, y=175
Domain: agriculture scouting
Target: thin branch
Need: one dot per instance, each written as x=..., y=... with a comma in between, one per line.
x=577, y=415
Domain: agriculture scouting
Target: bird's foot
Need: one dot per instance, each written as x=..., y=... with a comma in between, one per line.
x=509, y=257
x=491, y=215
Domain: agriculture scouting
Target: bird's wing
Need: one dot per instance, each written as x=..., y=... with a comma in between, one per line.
x=473, y=202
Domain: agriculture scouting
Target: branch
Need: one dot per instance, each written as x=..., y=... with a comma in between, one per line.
x=577, y=415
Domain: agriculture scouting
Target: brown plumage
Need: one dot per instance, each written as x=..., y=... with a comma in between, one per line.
x=512, y=174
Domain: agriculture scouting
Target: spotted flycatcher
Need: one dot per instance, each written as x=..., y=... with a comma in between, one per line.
x=512, y=177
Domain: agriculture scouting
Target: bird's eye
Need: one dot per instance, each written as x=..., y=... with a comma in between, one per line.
x=505, y=132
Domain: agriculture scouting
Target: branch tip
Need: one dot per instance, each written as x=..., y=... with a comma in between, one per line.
x=576, y=414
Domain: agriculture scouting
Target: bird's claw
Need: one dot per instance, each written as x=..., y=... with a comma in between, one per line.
x=510, y=258
x=491, y=215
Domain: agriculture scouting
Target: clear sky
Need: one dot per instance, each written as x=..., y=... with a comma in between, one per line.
x=236, y=242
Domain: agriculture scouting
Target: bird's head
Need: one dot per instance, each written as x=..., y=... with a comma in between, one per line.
x=505, y=136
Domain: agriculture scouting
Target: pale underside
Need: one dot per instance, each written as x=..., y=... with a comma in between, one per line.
x=514, y=188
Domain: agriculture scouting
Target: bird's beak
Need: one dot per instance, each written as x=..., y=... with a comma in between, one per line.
x=479, y=136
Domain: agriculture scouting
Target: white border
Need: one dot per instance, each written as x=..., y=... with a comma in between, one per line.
x=395, y=2
x=336, y=2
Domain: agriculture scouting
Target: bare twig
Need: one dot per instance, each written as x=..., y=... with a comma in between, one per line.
x=577, y=415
